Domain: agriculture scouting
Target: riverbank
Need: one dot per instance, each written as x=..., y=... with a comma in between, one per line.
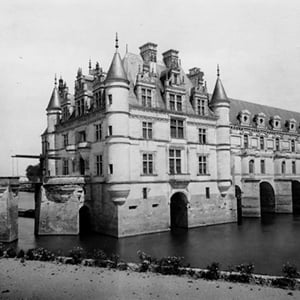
x=49, y=280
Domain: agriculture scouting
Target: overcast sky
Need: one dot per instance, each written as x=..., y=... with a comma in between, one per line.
x=256, y=43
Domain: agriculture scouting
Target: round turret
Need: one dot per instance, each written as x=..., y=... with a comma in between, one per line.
x=220, y=105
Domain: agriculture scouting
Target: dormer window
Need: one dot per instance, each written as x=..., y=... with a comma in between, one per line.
x=291, y=125
x=80, y=107
x=175, y=102
x=260, y=120
x=201, y=106
x=146, y=97
x=276, y=122
x=244, y=117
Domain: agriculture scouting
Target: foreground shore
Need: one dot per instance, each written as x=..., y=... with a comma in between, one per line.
x=46, y=280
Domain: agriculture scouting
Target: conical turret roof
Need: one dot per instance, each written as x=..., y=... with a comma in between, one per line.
x=54, y=103
x=219, y=94
x=116, y=71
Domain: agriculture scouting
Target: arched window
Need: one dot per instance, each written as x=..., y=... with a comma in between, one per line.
x=283, y=167
x=251, y=166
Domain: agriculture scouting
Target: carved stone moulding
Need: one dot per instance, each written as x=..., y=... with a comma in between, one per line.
x=118, y=193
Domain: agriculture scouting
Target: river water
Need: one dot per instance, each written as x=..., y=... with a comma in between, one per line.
x=268, y=243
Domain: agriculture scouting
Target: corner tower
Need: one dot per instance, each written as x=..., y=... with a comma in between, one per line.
x=117, y=117
x=220, y=104
x=53, y=116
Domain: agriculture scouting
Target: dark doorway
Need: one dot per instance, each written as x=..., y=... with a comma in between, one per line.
x=179, y=216
x=296, y=196
x=238, y=195
x=81, y=166
x=267, y=198
x=84, y=220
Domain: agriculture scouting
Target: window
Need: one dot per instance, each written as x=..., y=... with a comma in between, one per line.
x=66, y=140
x=147, y=163
x=175, y=78
x=175, y=161
x=73, y=165
x=111, y=169
x=147, y=130
x=277, y=146
x=65, y=113
x=98, y=132
x=251, y=166
x=283, y=167
x=179, y=102
x=202, y=136
x=262, y=143
x=80, y=107
x=293, y=148
x=99, y=165
x=98, y=99
x=145, y=194
x=175, y=102
x=146, y=97
x=262, y=167
x=81, y=136
x=294, y=167
x=246, y=141
x=207, y=192
x=201, y=107
x=110, y=99
x=177, y=128
x=172, y=101
x=65, y=167
x=109, y=130
x=202, y=165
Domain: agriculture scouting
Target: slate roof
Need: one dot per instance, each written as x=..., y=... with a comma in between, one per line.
x=133, y=62
x=116, y=70
x=219, y=93
x=54, y=103
x=236, y=106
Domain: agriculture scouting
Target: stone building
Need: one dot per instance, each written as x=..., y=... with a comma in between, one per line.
x=157, y=151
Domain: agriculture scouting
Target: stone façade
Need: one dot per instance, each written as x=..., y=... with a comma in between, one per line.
x=146, y=135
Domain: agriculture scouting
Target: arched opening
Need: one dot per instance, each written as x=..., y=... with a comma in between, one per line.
x=251, y=166
x=267, y=198
x=238, y=195
x=296, y=196
x=84, y=220
x=178, y=211
x=81, y=166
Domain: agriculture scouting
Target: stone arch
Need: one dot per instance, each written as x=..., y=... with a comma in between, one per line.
x=238, y=195
x=267, y=198
x=84, y=220
x=179, y=210
x=296, y=196
x=251, y=166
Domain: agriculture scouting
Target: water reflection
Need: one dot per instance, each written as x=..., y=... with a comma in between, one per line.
x=268, y=242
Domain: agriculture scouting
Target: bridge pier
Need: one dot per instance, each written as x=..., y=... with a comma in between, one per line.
x=58, y=201
x=9, y=189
